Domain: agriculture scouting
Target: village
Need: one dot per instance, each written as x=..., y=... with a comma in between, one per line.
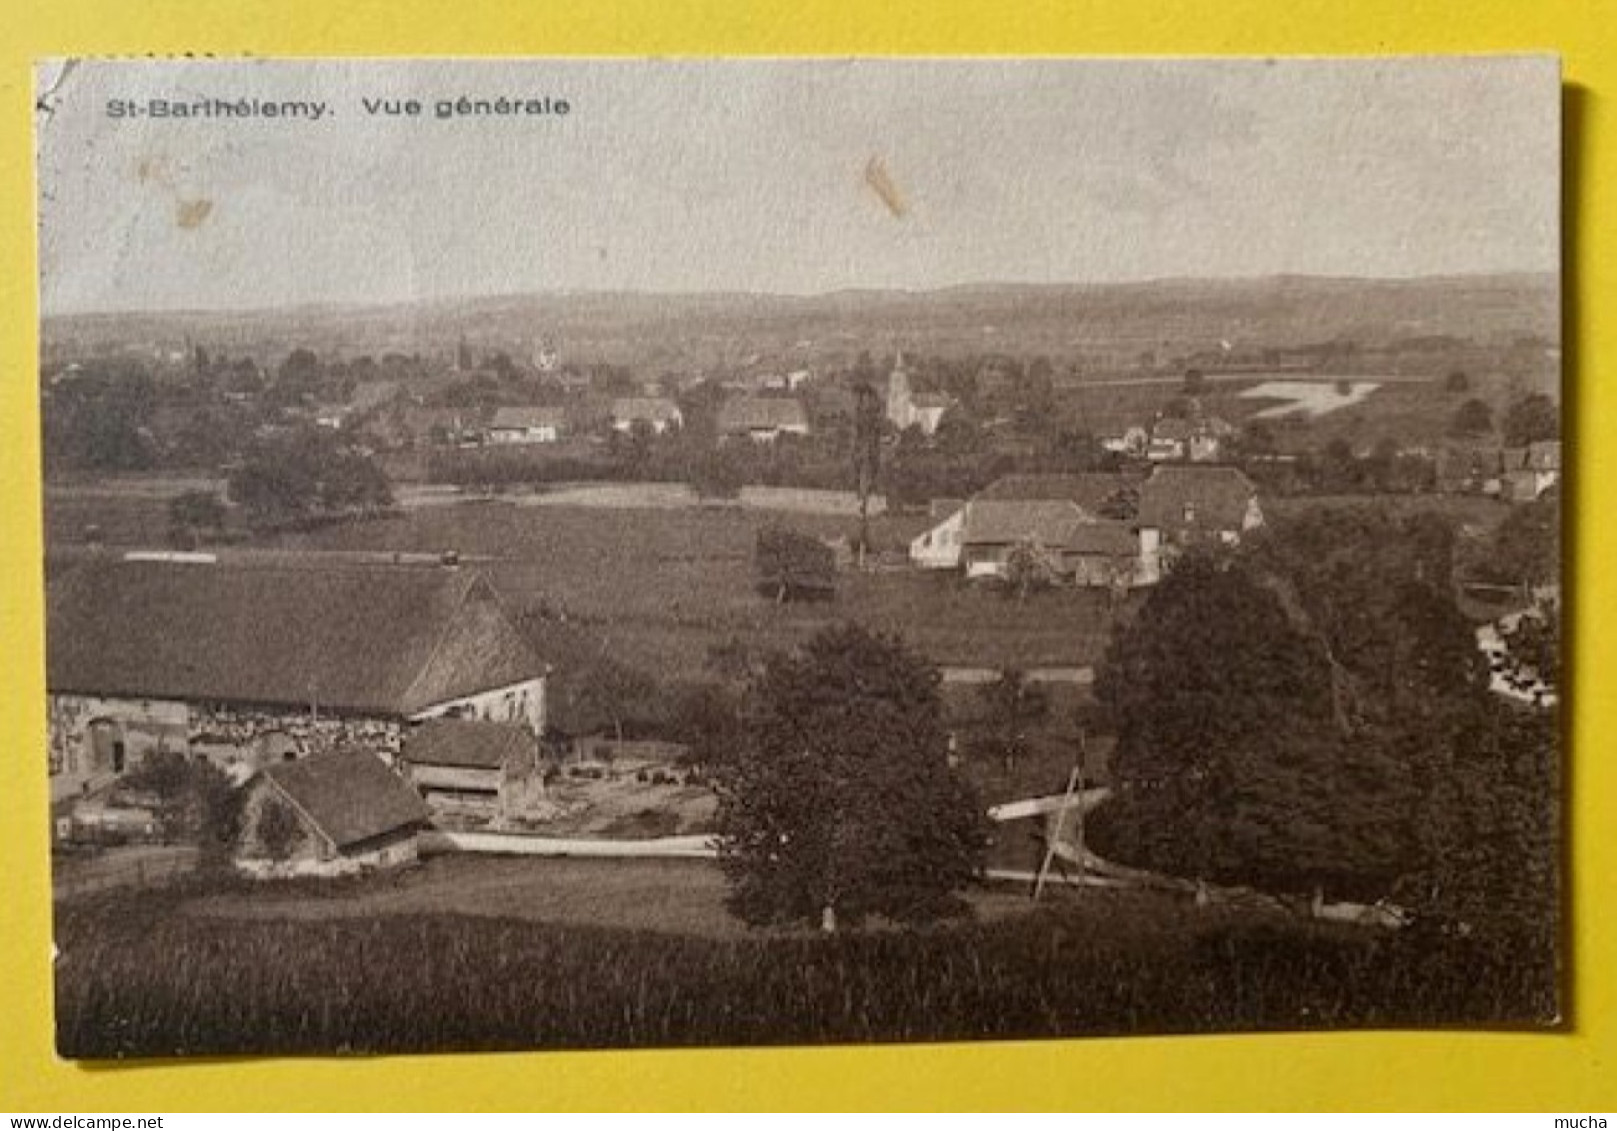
x=498, y=640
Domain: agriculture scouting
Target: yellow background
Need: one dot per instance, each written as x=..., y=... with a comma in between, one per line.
x=1566, y=1072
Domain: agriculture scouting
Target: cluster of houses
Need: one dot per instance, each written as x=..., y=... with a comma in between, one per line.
x=1173, y=439
x=353, y=704
x=1112, y=530
x=762, y=408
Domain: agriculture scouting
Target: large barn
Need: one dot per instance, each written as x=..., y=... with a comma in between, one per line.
x=249, y=664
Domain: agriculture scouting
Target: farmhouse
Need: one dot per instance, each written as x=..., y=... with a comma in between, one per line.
x=470, y=768
x=250, y=663
x=763, y=419
x=658, y=414
x=1080, y=522
x=527, y=424
x=1077, y=546
x=330, y=815
x=1185, y=505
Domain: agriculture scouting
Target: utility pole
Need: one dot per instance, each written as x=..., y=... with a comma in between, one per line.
x=1075, y=786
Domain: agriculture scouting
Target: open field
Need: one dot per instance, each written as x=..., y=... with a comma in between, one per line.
x=657, y=587
x=670, y=897
x=167, y=973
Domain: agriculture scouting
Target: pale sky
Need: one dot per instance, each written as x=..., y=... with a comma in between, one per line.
x=750, y=176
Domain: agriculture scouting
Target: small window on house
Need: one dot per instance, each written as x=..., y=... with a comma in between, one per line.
x=1190, y=512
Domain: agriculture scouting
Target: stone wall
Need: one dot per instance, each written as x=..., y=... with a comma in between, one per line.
x=232, y=736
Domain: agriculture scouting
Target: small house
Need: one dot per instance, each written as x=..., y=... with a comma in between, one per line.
x=762, y=419
x=656, y=414
x=527, y=424
x=1184, y=505
x=333, y=814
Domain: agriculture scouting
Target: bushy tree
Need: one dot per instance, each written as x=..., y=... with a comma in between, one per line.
x=307, y=474
x=1533, y=417
x=1012, y=704
x=1473, y=418
x=610, y=693
x=196, y=802
x=1029, y=568
x=1526, y=549
x=788, y=564
x=840, y=803
x=1313, y=711
x=1224, y=710
x=194, y=513
x=718, y=473
x=100, y=418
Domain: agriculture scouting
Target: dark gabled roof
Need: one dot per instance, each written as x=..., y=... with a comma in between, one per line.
x=471, y=743
x=653, y=409
x=350, y=796
x=528, y=416
x=1001, y=522
x=758, y=414
x=1090, y=490
x=1218, y=498
x=1109, y=538
x=389, y=641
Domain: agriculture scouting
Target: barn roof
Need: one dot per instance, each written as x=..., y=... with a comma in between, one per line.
x=1218, y=498
x=653, y=409
x=350, y=796
x=1091, y=490
x=995, y=522
x=379, y=640
x=472, y=743
x=1108, y=538
x=756, y=414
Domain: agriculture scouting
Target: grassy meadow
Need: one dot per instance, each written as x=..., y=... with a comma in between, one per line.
x=656, y=587
x=184, y=972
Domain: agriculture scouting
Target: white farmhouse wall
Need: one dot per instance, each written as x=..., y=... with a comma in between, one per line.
x=520, y=703
x=939, y=548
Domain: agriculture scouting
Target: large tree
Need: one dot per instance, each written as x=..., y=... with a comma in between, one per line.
x=310, y=473
x=1313, y=711
x=1227, y=746
x=788, y=564
x=840, y=803
x=1533, y=417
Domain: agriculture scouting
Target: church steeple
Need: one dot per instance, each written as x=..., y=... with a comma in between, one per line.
x=900, y=403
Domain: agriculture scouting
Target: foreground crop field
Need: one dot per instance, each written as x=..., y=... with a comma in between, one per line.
x=139, y=976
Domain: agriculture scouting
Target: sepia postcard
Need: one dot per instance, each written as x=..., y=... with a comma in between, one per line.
x=617, y=553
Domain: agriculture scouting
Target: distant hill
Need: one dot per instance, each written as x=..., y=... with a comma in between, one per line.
x=719, y=328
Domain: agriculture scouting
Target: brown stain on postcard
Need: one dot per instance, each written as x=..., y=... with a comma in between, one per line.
x=886, y=189
x=190, y=214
